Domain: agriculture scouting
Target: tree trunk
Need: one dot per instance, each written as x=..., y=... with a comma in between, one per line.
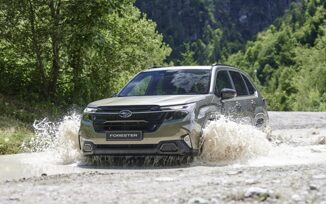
x=55, y=38
x=37, y=51
x=76, y=64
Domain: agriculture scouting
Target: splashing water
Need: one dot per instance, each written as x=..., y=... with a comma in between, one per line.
x=59, y=139
x=226, y=141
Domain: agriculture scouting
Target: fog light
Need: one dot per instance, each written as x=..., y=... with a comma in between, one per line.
x=169, y=147
x=88, y=148
x=187, y=140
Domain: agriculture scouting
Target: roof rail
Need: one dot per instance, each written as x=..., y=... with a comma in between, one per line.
x=217, y=64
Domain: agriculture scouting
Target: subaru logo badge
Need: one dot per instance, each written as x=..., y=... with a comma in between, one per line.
x=125, y=114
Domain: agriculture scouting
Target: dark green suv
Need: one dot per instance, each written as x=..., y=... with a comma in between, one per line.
x=162, y=111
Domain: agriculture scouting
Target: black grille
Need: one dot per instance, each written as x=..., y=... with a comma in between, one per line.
x=146, y=122
x=126, y=147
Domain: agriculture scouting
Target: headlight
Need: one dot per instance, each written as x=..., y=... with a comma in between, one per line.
x=178, y=112
x=87, y=114
x=187, y=107
x=90, y=110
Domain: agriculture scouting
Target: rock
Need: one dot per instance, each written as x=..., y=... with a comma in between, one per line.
x=43, y=174
x=313, y=187
x=315, y=150
x=251, y=181
x=166, y=179
x=319, y=177
x=14, y=199
x=296, y=197
x=234, y=172
x=322, y=140
x=262, y=193
x=197, y=200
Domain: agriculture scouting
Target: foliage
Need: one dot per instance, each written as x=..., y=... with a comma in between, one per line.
x=73, y=51
x=289, y=58
x=208, y=29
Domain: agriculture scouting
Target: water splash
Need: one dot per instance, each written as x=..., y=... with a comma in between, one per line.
x=59, y=139
x=226, y=141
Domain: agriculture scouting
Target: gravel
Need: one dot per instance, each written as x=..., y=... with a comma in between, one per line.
x=194, y=183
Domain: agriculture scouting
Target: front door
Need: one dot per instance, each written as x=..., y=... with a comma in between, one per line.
x=223, y=80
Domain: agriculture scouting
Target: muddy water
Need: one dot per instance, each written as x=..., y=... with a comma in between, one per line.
x=292, y=141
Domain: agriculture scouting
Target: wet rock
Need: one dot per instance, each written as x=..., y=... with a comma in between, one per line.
x=198, y=200
x=44, y=174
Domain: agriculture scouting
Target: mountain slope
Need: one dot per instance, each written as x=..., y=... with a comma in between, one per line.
x=289, y=59
x=210, y=29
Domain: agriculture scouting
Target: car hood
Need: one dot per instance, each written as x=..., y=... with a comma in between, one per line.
x=148, y=100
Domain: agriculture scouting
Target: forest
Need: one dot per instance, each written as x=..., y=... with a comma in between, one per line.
x=61, y=53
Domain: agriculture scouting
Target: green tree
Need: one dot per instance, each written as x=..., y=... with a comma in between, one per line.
x=74, y=51
x=289, y=58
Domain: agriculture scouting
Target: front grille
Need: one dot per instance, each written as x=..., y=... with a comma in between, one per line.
x=139, y=121
x=126, y=147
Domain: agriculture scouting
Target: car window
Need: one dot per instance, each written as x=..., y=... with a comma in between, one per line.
x=140, y=87
x=222, y=81
x=239, y=84
x=169, y=82
x=250, y=87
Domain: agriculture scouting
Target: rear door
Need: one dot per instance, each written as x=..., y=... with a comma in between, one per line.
x=257, y=104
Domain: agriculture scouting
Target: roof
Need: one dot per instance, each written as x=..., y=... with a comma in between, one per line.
x=178, y=68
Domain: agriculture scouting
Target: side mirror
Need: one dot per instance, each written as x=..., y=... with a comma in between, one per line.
x=228, y=93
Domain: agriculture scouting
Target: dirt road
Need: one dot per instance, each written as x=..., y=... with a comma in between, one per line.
x=291, y=170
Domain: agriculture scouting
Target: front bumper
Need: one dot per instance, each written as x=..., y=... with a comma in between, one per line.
x=172, y=147
x=182, y=137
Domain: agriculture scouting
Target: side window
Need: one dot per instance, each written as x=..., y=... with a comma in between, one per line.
x=239, y=84
x=140, y=88
x=222, y=81
x=250, y=87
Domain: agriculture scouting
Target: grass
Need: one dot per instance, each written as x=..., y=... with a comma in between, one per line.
x=12, y=135
x=16, y=119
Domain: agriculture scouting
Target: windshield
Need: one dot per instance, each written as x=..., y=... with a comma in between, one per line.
x=169, y=82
